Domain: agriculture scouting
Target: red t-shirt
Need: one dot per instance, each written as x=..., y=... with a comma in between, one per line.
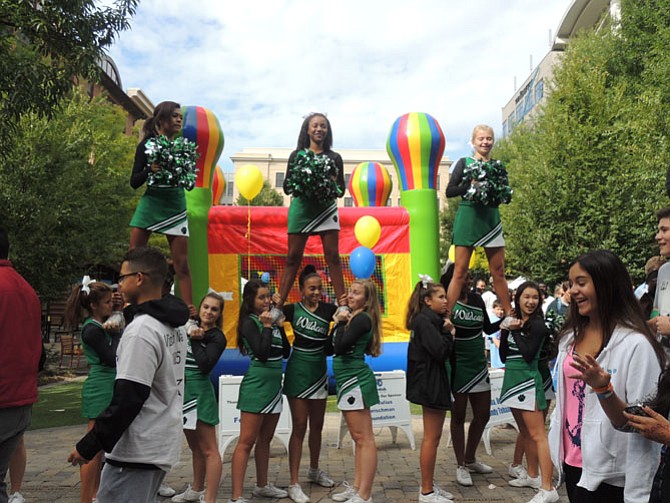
x=20, y=338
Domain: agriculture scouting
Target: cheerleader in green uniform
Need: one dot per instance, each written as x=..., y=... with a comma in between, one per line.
x=523, y=389
x=94, y=298
x=306, y=378
x=260, y=397
x=205, y=344
x=162, y=209
x=308, y=217
x=477, y=224
x=356, y=334
x=469, y=377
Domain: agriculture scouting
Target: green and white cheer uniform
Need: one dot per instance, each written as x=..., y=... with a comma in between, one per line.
x=314, y=216
x=201, y=356
x=520, y=350
x=261, y=387
x=475, y=224
x=306, y=371
x=355, y=381
x=162, y=208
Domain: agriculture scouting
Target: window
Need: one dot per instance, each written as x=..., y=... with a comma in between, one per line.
x=399, y=202
x=519, y=112
x=348, y=202
x=347, y=176
x=539, y=90
x=504, y=132
x=279, y=179
x=389, y=202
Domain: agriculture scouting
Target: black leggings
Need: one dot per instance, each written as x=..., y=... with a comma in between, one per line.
x=605, y=492
x=660, y=490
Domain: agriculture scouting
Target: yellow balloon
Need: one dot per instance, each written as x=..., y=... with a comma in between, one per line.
x=473, y=257
x=368, y=231
x=249, y=180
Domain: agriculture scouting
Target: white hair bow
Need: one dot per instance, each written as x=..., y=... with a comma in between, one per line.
x=85, y=281
x=425, y=279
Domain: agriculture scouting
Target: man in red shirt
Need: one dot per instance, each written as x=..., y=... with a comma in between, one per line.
x=21, y=343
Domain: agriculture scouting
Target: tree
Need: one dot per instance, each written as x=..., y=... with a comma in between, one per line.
x=589, y=173
x=45, y=46
x=65, y=196
x=266, y=197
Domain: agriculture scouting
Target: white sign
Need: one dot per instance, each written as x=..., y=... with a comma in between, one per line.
x=392, y=409
x=229, y=414
x=500, y=414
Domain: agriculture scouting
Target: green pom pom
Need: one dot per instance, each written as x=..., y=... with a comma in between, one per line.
x=177, y=160
x=312, y=176
x=487, y=183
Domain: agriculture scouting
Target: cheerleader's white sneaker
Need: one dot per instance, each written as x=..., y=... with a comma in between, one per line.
x=544, y=496
x=348, y=493
x=527, y=481
x=463, y=476
x=296, y=494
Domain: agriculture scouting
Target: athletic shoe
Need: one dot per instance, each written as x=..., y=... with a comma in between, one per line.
x=527, y=481
x=269, y=491
x=166, y=491
x=442, y=492
x=516, y=471
x=17, y=497
x=433, y=497
x=296, y=494
x=479, y=467
x=348, y=493
x=544, y=496
x=238, y=500
x=319, y=477
x=188, y=495
x=358, y=499
x=463, y=476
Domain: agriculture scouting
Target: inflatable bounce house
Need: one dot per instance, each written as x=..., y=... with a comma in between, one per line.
x=391, y=246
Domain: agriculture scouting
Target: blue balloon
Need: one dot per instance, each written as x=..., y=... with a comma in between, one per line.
x=362, y=262
x=265, y=277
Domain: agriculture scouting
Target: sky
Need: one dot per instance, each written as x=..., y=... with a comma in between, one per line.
x=262, y=65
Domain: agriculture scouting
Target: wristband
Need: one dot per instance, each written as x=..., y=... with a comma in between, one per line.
x=605, y=396
x=605, y=390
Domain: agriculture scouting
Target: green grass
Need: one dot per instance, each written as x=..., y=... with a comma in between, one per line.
x=58, y=405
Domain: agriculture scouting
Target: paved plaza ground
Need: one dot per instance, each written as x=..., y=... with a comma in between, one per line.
x=50, y=478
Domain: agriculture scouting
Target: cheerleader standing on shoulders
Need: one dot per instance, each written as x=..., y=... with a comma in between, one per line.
x=94, y=298
x=162, y=208
x=477, y=221
x=469, y=377
x=204, y=347
x=429, y=348
x=356, y=334
x=523, y=389
x=308, y=216
x=260, y=396
x=306, y=378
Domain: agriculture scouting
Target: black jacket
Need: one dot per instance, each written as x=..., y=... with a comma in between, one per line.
x=428, y=350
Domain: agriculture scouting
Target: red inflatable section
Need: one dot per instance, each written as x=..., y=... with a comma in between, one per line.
x=228, y=230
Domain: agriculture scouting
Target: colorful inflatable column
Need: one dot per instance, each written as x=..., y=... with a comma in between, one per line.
x=370, y=184
x=415, y=145
x=202, y=127
x=218, y=186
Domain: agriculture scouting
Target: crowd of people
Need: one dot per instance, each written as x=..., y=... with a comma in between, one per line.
x=149, y=377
